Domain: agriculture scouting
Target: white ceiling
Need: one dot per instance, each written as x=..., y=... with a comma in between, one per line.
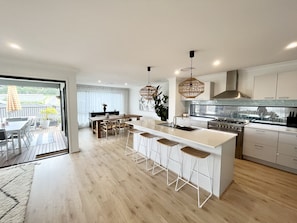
x=115, y=40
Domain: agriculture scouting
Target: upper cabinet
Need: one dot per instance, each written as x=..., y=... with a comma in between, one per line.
x=276, y=86
x=265, y=86
x=287, y=85
x=206, y=95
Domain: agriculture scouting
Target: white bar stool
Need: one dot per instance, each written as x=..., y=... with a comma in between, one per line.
x=129, y=150
x=146, y=140
x=157, y=164
x=197, y=156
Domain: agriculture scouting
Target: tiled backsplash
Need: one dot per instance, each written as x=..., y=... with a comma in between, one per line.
x=271, y=111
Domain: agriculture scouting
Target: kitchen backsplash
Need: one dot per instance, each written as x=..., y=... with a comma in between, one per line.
x=259, y=113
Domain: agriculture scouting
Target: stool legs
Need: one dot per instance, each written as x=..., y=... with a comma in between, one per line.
x=158, y=164
x=145, y=140
x=168, y=161
x=197, y=186
x=128, y=149
x=169, y=145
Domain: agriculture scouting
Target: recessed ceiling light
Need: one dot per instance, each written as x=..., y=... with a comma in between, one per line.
x=99, y=81
x=291, y=45
x=216, y=62
x=14, y=46
x=177, y=72
x=126, y=84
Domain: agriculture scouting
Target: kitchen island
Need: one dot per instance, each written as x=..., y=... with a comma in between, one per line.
x=220, y=145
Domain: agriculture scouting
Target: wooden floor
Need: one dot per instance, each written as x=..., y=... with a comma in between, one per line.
x=100, y=184
x=50, y=141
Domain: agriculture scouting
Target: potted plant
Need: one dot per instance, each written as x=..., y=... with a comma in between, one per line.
x=104, y=107
x=161, y=104
x=44, y=123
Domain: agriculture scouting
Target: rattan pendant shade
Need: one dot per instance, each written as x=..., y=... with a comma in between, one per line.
x=148, y=91
x=191, y=87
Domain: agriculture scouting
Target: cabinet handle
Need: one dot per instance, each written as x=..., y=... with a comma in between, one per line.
x=258, y=146
x=259, y=130
x=285, y=97
x=268, y=97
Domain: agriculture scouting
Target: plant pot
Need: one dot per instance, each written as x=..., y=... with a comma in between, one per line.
x=44, y=123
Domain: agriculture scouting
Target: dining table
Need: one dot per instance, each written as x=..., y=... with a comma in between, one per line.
x=15, y=128
x=96, y=121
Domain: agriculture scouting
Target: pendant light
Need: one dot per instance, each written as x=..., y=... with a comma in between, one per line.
x=148, y=91
x=191, y=87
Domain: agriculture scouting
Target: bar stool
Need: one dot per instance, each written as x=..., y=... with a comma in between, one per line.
x=196, y=155
x=146, y=140
x=157, y=164
x=129, y=149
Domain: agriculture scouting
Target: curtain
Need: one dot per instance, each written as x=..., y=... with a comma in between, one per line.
x=92, y=98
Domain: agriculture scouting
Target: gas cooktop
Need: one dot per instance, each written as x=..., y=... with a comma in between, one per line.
x=230, y=121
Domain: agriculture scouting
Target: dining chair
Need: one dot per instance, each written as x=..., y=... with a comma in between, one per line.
x=4, y=140
x=122, y=125
x=109, y=126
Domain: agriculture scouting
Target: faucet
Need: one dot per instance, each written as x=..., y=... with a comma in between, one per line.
x=174, y=120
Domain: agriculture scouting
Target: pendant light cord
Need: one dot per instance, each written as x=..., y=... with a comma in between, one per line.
x=148, y=76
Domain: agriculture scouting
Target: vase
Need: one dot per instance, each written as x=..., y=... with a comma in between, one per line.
x=104, y=109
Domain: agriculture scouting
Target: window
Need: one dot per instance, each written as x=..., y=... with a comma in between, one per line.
x=91, y=99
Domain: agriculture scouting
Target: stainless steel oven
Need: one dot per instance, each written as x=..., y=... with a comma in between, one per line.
x=233, y=126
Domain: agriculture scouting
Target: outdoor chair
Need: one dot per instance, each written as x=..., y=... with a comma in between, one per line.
x=4, y=140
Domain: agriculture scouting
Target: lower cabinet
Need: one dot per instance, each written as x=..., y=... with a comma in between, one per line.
x=271, y=147
x=260, y=144
x=287, y=150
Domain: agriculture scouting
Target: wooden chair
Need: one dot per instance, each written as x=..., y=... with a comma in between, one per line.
x=109, y=126
x=122, y=125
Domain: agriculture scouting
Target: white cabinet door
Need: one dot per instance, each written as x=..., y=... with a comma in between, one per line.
x=261, y=136
x=285, y=160
x=260, y=144
x=287, y=85
x=287, y=150
x=265, y=86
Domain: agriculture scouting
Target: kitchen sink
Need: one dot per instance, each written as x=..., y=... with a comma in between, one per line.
x=185, y=128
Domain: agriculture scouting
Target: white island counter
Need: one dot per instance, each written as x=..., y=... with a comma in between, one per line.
x=221, y=145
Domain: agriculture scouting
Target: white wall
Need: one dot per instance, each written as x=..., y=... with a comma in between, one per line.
x=219, y=80
x=134, y=98
x=30, y=69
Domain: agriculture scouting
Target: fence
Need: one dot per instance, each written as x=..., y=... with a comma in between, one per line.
x=27, y=111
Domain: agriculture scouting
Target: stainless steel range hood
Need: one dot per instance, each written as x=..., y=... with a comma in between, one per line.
x=231, y=88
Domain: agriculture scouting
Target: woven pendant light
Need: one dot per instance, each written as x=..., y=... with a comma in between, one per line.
x=148, y=91
x=191, y=87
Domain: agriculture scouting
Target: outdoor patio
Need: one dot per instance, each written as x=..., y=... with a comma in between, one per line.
x=44, y=143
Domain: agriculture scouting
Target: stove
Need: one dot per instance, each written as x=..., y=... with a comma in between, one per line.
x=233, y=125
x=230, y=125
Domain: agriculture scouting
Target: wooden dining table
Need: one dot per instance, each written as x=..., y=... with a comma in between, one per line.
x=96, y=121
x=15, y=128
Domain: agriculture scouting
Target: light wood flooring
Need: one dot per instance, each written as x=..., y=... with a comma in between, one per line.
x=101, y=184
x=44, y=142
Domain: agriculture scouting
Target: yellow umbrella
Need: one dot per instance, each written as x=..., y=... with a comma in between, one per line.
x=13, y=101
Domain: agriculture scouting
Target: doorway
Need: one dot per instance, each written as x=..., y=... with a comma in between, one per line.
x=42, y=101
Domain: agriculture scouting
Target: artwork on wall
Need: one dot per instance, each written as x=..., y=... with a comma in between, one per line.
x=146, y=105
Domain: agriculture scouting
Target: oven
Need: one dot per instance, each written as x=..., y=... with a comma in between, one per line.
x=232, y=126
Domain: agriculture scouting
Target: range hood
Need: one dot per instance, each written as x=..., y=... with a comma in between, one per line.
x=231, y=88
